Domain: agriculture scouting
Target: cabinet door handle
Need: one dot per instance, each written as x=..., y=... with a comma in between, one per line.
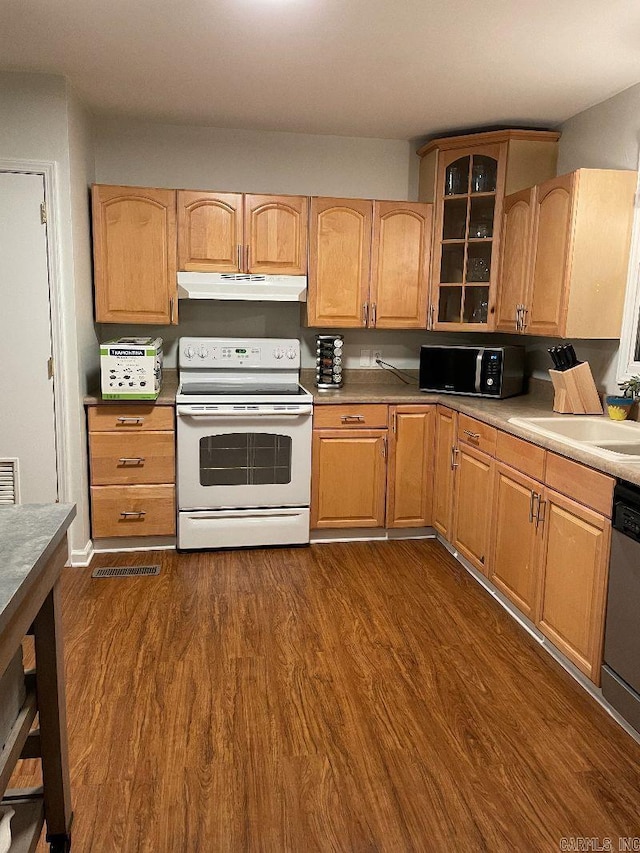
x=474, y=435
x=365, y=313
x=541, y=512
x=239, y=256
x=454, y=451
x=137, y=514
x=532, y=501
x=131, y=460
x=124, y=420
x=347, y=419
x=247, y=257
x=384, y=447
x=432, y=311
x=518, y=309
x=171, y=310
x=373, y=314
x=523, y=319
x=394, y=421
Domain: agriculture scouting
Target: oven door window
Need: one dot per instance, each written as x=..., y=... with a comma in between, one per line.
x=245, y=459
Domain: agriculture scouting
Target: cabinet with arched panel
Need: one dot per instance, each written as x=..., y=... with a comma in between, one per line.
x=369, y=263
x=232, y=232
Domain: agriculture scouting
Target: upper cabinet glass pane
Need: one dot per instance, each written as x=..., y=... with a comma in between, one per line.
x=484, y=174
x=481, y=217
x=456, y=177
x=455, y=219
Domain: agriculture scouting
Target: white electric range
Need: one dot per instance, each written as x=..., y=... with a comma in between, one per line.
x=244, y=443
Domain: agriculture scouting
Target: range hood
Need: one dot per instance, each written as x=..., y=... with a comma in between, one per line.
x=242, y=286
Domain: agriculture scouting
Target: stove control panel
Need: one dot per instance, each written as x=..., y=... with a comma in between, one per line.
x=238, y=353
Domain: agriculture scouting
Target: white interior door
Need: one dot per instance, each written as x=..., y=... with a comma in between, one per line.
x=27, y=420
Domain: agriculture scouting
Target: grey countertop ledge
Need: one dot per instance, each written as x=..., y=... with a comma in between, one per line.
x=29, y=534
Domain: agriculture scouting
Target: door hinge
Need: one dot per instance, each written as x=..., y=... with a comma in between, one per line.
x=50, y=367
x=43, y=213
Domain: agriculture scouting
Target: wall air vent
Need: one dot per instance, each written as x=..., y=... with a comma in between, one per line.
x=9, y=491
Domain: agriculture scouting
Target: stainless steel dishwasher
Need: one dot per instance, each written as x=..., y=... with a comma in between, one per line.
x=621, y=669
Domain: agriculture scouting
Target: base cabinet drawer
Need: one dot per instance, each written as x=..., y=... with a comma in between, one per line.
x=130, y=417
x=368, y=416
x=136, y=458
x=133, y=511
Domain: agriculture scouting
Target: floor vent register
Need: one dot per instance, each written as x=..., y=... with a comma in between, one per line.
x=125, y=571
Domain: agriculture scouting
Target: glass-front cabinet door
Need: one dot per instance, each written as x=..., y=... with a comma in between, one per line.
x=468, y=197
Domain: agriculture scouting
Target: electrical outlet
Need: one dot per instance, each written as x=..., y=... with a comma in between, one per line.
x=377, y=353
x=365, y=358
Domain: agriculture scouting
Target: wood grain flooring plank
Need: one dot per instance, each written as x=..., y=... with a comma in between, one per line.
x=343, y=697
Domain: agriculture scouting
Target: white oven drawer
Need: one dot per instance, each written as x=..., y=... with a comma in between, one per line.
x=242, y=528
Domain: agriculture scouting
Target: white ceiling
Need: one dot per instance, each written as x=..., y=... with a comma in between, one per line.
x=380, y=68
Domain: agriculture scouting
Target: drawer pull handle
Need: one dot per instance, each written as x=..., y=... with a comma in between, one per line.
x=349, y=418
x=474, y=435
x=124, y=420
x=139, y=514
x=131, y=460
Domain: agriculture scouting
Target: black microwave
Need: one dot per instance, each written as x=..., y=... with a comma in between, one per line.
x=479, y=371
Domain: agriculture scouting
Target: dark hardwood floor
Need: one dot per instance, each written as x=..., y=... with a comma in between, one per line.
x=362, y=697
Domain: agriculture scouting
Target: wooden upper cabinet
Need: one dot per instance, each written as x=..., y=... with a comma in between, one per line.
x=551, y=242
x=400, y=259
x=339, y=262
x=581, y=237
x=410, y=473
x=210, y=231
x=517, y=217
x=276, y=234
x=134, y=240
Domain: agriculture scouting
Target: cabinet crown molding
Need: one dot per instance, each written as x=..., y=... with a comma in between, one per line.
x=445, y=143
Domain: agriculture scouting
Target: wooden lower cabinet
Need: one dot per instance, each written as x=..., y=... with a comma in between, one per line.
x=348, y=480
x=473, y=505
x=410, y=473
x=133, y=511
x=445, y=442
x=573, y=580
x=132, y=468
x=516, y=538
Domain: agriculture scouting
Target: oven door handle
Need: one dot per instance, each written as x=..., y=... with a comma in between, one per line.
x=243, y=412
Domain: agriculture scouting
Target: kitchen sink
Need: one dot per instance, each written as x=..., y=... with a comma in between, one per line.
x=596, y=434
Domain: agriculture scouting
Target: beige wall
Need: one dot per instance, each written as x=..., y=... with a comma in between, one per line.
x=606, y=136
x=133, y=152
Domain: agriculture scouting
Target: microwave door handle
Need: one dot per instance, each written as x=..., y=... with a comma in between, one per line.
x=479, y=370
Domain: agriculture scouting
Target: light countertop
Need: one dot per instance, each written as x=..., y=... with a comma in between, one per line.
x=29, y=534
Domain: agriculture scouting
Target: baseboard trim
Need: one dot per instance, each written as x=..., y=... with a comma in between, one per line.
x=370, y=534
x=130, y=544
x=538, y=636
x=81, y=557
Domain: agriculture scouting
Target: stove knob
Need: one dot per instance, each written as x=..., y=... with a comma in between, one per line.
x=278, y=353
x=203, y=352
x=189, y=352
x=291, y=353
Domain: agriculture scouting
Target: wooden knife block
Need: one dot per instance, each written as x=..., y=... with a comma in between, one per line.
x=576, y=392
